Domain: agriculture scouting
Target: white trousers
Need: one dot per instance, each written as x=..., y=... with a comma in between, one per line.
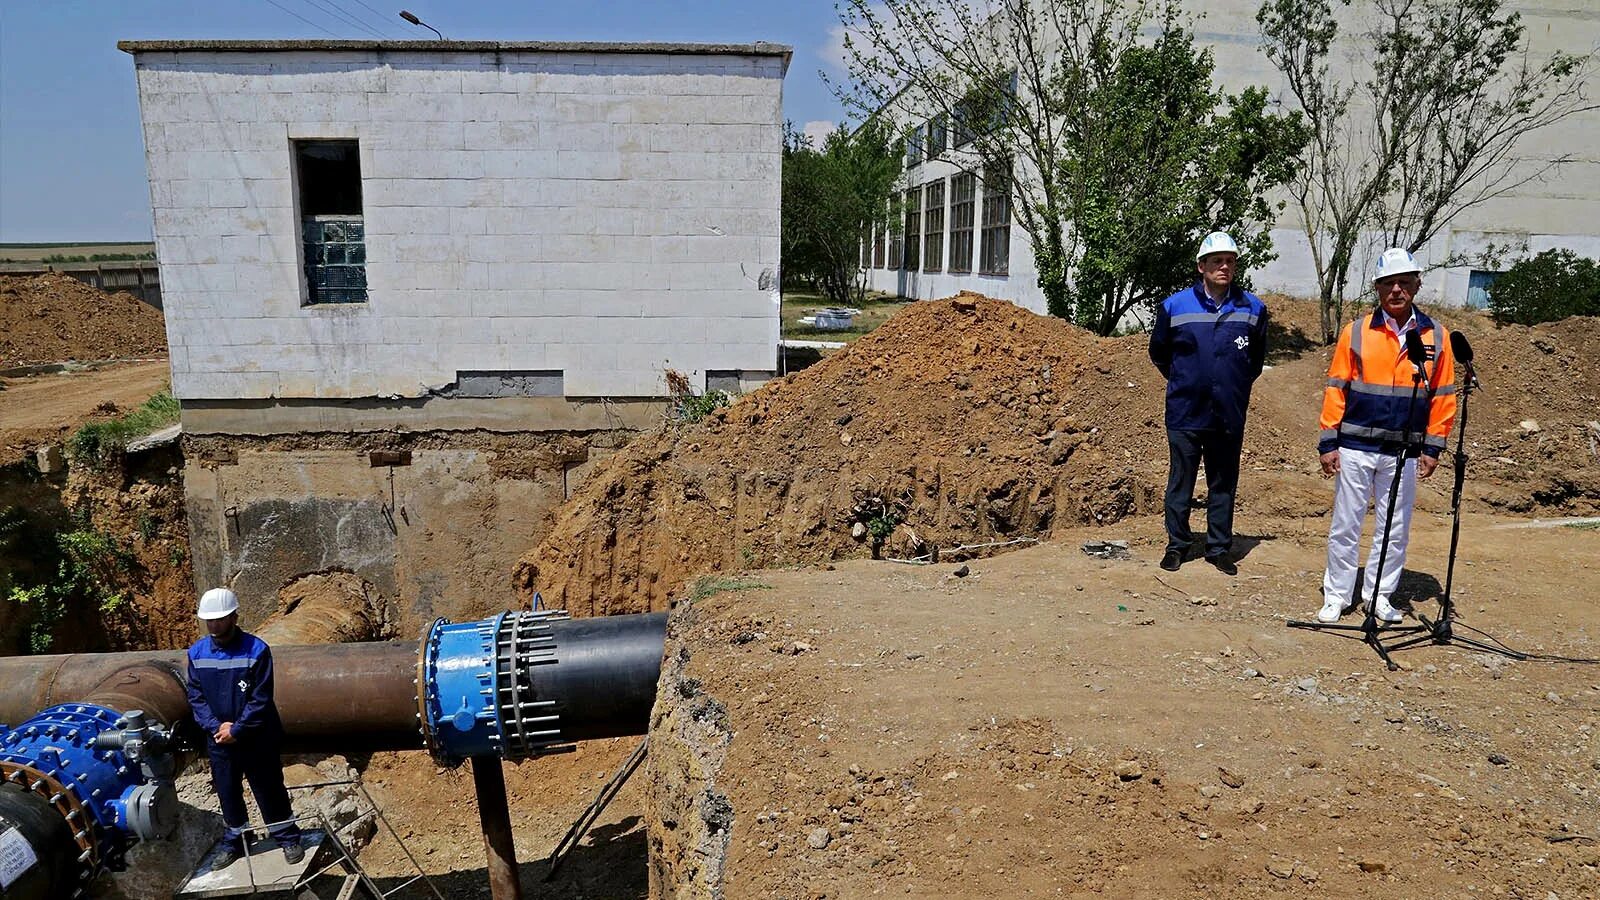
x=1364, y=478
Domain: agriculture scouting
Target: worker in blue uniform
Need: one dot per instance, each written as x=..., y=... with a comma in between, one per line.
x=230, y=692
x=1210, y=344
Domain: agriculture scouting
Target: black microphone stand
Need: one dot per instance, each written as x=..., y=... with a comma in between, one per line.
x=1439, y=632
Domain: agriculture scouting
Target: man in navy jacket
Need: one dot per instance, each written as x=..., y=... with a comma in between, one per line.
x=1210, y=343
x=230, y=692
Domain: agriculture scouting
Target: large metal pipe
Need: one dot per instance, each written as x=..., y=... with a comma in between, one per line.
x=153, y=687
x=513, y=686
x=48, y=868
x=335, y=697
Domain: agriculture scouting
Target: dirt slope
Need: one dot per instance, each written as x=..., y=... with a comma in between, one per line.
x=45, y=409
x=992, y=422
x=52, y=318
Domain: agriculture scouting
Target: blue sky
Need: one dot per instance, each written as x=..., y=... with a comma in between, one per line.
x=71, y=156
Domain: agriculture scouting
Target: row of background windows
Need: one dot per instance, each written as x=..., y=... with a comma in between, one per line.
x=918, y=244
x=983, y=110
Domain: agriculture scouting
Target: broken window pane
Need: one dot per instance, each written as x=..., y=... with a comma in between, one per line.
x=328, y=182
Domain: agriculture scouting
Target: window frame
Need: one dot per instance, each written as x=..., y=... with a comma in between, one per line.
x=331, y=245
x=912, y=247
x=933, y=221
x=994, y=252
x=963, y=221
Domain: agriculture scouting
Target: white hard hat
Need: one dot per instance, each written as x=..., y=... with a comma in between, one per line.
x=1216, y=242
x=218, y=602
x=1394, y=261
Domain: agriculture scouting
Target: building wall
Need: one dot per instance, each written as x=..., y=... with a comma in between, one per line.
x=438, y=534
x=602, y=214
x=1559, y=210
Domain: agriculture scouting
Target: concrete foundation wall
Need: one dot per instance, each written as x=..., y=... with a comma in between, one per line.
x=603, y=215
x=438, y=536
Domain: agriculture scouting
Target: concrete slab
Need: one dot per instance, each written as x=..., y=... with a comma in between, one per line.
x=264, y=873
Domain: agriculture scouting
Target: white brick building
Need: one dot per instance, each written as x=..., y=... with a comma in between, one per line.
x=589, y=213
x=415, y=291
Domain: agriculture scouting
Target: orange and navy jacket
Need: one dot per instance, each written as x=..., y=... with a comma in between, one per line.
x=1368, y=405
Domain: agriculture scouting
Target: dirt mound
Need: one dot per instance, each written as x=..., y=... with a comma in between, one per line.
x=983, y=419
x=977, y=421
x=52, y=318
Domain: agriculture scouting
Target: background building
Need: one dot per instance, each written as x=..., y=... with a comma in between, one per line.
x=1559, y=211
x=413, y=288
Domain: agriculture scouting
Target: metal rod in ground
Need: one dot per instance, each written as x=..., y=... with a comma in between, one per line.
x=490, y=783
x=601, y=801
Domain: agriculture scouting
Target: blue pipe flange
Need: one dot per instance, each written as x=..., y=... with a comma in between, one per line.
x=475, y=695
x=73, y=756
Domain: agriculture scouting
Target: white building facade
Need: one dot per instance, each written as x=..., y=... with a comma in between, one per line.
x=1561, y=210
x=417, y=291
x=343, y=219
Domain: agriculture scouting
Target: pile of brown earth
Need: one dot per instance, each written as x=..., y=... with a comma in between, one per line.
x=52, y=318
x=991, y=423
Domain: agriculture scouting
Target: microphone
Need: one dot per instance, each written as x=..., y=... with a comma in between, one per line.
x=1461, y=350
x=1417, y=353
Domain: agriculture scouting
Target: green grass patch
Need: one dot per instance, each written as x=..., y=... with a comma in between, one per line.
x=711, y=585
x=874, y=312
x=96, y=441
x=1583, y=526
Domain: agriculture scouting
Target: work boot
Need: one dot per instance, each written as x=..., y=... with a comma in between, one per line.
x=226, y=856
x=1223, y=564
x=1172, y=560
x=293, y=851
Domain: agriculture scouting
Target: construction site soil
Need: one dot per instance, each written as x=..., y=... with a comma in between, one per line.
x=990, y=423
x=1050, y=724
x=53, y=318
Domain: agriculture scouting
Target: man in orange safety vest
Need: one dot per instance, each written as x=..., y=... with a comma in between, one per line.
x=1378, y=406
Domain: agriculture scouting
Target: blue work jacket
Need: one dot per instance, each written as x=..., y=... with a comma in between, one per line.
x=233, y=683
x=1210, y=354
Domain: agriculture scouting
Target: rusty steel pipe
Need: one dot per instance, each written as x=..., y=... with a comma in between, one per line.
x=155, y=687
x=494, y=816
x=336, y=697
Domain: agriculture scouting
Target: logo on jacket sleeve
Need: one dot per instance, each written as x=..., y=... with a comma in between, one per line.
x=244, y=684
x=1242, y=341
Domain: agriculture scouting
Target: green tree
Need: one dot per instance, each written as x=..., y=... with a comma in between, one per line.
x=831, y=197
x=1122, y=154
x=1422, y=127
x=1156, y=157
x=1553, y=285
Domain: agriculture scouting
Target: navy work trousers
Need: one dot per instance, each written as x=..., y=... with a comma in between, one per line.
x=258, y=763
x=1219, y=450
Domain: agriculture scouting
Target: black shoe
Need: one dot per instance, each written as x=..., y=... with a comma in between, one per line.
x=1223, y=565
x=1172, y=560
x=293, y=851
x=225, y=857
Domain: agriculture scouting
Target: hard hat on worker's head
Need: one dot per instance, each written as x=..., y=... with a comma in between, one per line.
x=1216, y=242
x=218, y=602
x=1394, y=261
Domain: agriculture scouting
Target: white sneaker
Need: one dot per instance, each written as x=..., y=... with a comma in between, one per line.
x=1329, y=613
x=1387, y=613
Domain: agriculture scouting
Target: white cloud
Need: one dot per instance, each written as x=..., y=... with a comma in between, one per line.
x=833, y=52
x=818, y=131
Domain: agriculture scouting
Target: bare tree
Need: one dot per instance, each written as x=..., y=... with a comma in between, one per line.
x=1424, y=127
